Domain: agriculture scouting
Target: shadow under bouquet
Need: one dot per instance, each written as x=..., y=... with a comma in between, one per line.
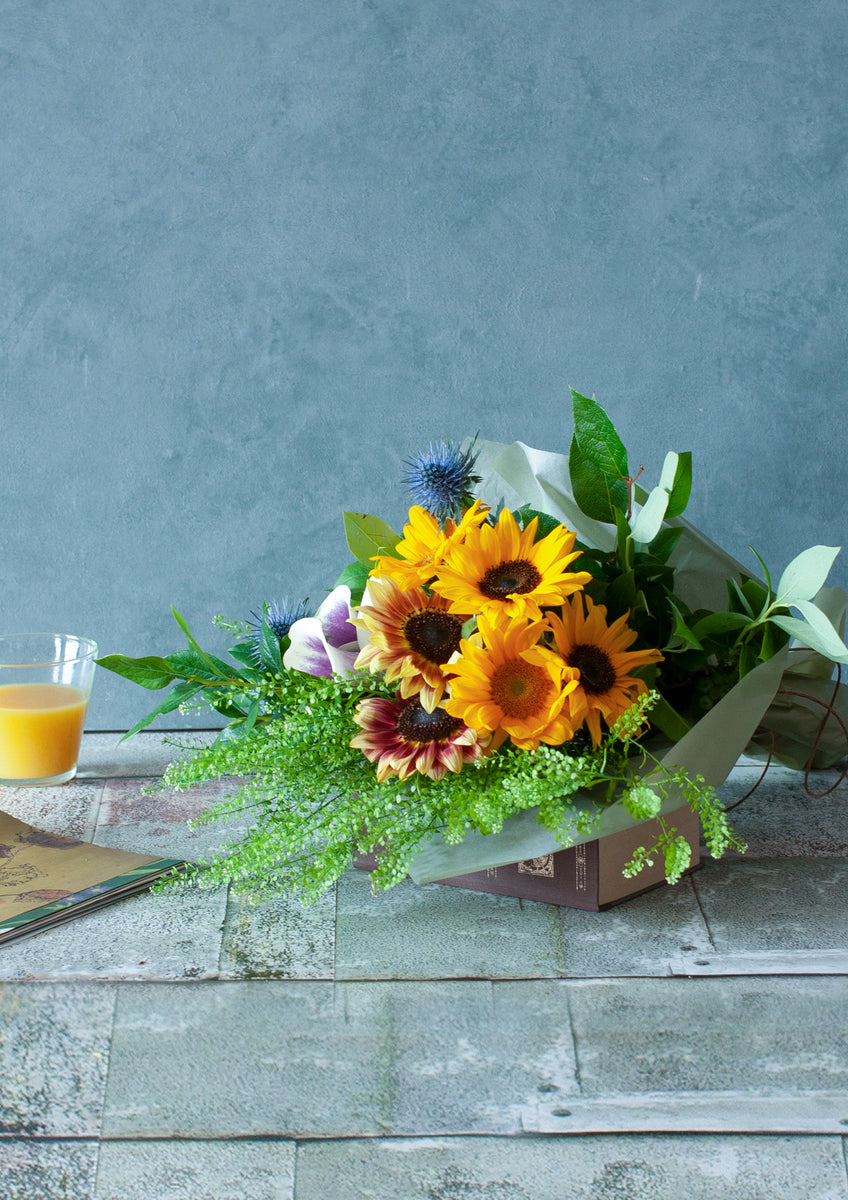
x=547, y=655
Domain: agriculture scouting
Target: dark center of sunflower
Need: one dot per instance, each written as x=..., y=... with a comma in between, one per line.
x=433, y=634
x=521, y=689
x=415, y=724
x=597, y=674
x=509, y=577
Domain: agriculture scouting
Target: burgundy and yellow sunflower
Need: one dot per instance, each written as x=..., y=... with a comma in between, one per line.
x=502, y=568
x=424, y=545
x=599, y=652
x=412, y=638
x=506, y=684
x=401, y=737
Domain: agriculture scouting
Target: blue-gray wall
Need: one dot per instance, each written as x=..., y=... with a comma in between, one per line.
x=253, y=254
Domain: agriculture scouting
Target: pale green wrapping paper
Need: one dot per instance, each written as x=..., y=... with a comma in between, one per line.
x=516, y=475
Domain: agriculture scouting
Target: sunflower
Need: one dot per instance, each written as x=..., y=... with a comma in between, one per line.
x=412, y=638
x=424, y=545
x=600, y=654
x=500, y=568
x=401, y=737
x=513, y=687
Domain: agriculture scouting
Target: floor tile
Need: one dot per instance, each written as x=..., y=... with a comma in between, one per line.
x=617, y=1167
x=775, y=904
x=437, y=931
x=780, y=819
x=173, y=935
x=213, y=1170
x=640, y=937
x=47, y=1170
x=54, y=1055
x=279, y=938
x=69, y=810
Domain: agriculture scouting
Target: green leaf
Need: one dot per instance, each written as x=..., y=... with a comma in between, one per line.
x=269, y=648
x=739, y=602
x=815, y=631
x=676, y=478
x=150, y=672
x=665, y=541
x=368, y=537
x=717, y=623
x=547, y=523
x=597, y=462
x=354, y=576
x=183, y=691
x=668, y=720
x=682, y=632
x=189, y=662
x=244, y=652
x=597, y=438
x=223, y=670
x=252, y=714
x=649, y=520
x=805, y=575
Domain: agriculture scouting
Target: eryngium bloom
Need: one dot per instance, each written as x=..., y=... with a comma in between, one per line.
x=501, y=568
x=441, y=479
x=513, y=687
x=412, y=637
x=599, y=652
x=280, y=617
x=401, y=737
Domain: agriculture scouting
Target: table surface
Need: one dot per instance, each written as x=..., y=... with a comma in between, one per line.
x=430, y=1042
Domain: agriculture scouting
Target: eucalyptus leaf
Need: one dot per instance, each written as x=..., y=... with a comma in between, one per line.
x=676, y=478
x=649, y=520
x=805, y=575
x=368, y=537
x=150, y=672
x=815, y=631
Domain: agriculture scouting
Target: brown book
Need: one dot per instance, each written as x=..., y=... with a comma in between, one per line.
x=587, y=876
x=46, y=879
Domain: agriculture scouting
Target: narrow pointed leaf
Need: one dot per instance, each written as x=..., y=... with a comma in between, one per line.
x=805, y=574
x=815, y=631
x=183, y=691
x=150, y=672
x=676, y=478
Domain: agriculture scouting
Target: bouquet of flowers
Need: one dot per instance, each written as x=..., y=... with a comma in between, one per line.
x=546, y=654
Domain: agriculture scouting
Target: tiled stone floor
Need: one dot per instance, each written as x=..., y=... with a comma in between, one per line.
x=430, y=1043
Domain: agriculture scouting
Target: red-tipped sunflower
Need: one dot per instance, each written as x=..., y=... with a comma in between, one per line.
x=501, y=568
x=600, y=654
x=424, y=545
x=513, y=687
x=401, y=737
x=412, y=637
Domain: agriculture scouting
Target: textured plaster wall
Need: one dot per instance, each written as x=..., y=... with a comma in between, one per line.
x=253, y=254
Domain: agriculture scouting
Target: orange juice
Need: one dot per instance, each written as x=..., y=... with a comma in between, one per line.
x=40, y=729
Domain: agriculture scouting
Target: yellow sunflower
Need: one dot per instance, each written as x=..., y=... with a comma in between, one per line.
x=412, y=637
x=424, y=545
x=513, y=687
x=500, y=568
x=600, y=654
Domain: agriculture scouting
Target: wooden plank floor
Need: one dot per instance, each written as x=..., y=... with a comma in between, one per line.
x=431, y=1042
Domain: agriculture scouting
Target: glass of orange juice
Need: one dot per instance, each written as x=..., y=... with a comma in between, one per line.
x=45, y=683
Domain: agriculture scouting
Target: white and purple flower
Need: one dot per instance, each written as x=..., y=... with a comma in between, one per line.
x=325, y=644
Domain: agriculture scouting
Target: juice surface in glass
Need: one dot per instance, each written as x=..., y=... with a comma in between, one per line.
x=41, y=728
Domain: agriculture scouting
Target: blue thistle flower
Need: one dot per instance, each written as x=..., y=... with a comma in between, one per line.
x=441, y=479
x=279, y=617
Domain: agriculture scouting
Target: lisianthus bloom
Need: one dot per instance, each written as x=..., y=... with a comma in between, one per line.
x=412, y=637
x=599, y=653
x=424, y=545
x=503, y=568
x=325, y=644
x=512, y=686
x=401, y=737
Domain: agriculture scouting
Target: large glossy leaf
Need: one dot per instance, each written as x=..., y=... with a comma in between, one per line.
x=368, y=537
x=676, y=478
x=150, y=672
x=597, y=461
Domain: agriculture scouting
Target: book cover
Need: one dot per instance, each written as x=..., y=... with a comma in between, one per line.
x=46, y=879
